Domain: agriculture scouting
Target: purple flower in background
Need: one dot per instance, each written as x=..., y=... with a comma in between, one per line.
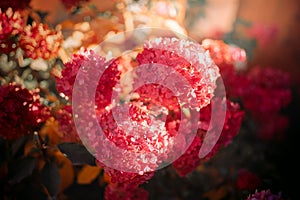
x=264, y=195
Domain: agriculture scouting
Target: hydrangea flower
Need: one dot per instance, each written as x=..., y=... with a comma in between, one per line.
x=15, y=4
x=199, y=70
x=11, y=24
x=263, y=92
x=65, y=82
x=269, y=91
x=190, y=159
x=264, y=195
x=125, y=185
x=247, y=180
x=20, y=112
x=222, y=53
x=148, y=100
x=39, y=41
x=112, y=193
x=66, y=124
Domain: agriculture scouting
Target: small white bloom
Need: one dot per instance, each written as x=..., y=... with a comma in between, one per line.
x=39, y=65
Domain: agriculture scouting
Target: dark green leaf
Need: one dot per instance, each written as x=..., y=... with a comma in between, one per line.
x=3, y=151
x=29, y=189
x=20, y=169
x=90, y=191
x=51, y=178
x=17, y=145
x=77, y=153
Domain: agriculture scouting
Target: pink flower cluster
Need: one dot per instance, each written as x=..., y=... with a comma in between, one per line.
x=264, y=195
x=190, y=159
x=268, y=94
x=200, y=71
x=247, y=180
x=269, y=91
x=20, y=112
x=165, y=52
x=65, y=82
x=66, y=124
x=15, y=4
x=263, y=33
x=39, y=41
x=263, y=92
x=125, y=185
x=11, y=24
x=222, y=53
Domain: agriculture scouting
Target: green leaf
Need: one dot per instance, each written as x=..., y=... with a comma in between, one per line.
x=29, y=189
x=51, y=178
x=77, y=153
x=20, y=169
x=17, y=146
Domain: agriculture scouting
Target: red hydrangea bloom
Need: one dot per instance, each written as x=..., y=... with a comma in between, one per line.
x=172, y=53
x=11, y=24
x=262, y=91
x=235, y=82
x=107, y=83
x=264, y=100
x=65, y=82
x=269, y=77
x=269, y=91
x=15, y=4
x=129, y=136
x=190, y=159
x=222, y=53
x=112, y=193
x=264, y=195
x=258, y=88
x=125, y=185
x=232, y=124
x=247, y=180
x=39, y=41
x=273, y=127
x=20, y=111
x=203, y=82
x=66, y=124
x=229, y=58
x=263, y=33
x=201, y=74
x=161, y=51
